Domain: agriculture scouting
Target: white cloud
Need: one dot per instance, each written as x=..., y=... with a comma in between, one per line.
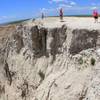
x=69, y=4
x=72, y=3
x=57, y=1
x=43, y=9
x=63, y=1
x=64, y=6
x=93, y=8
x=47, y=11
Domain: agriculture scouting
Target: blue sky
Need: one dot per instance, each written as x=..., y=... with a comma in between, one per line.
x=19, y=9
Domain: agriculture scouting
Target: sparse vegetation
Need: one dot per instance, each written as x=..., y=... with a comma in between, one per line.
x=80, y=60
x=41, y=74
x=93, y=61
x=24, y=89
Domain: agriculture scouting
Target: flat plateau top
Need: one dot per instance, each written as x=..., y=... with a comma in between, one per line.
x=71, y=22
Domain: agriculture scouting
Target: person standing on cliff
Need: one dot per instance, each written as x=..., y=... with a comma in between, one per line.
x=42, y=16
x=95, y=15
x=61, y=14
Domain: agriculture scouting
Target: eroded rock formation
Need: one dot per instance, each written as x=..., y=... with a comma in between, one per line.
x=39, y=63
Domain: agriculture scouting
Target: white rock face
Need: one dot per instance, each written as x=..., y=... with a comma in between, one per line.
x=38, y=62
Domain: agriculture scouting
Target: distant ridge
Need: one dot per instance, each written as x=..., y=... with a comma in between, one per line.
x=73, y=16
x=15, y=22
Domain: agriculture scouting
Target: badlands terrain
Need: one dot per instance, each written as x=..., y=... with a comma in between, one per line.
x=50, y=60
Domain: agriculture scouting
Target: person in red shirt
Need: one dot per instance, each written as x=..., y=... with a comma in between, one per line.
x=95, y=15
x=61, y=14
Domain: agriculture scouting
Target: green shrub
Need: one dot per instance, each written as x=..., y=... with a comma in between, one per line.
x=41, y=74
x=80, y=60
x=93, y=61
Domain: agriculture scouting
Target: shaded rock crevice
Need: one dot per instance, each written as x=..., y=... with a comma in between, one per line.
x=18, y=42
x=8, y=73
x=39, y=37
x=83, y=39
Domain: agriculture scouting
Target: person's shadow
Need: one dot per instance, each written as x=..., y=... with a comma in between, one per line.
x=62, y=21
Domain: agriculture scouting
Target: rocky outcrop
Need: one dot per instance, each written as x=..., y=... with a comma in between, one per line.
x=39, y=63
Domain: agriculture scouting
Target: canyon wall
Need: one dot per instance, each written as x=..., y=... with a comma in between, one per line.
x=39, y=63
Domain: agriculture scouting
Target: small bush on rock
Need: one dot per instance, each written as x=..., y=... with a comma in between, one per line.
x=41, y=74
x=80, y=60
x=93, y=61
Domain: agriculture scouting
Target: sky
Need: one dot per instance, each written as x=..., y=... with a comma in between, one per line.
x=11, y=10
